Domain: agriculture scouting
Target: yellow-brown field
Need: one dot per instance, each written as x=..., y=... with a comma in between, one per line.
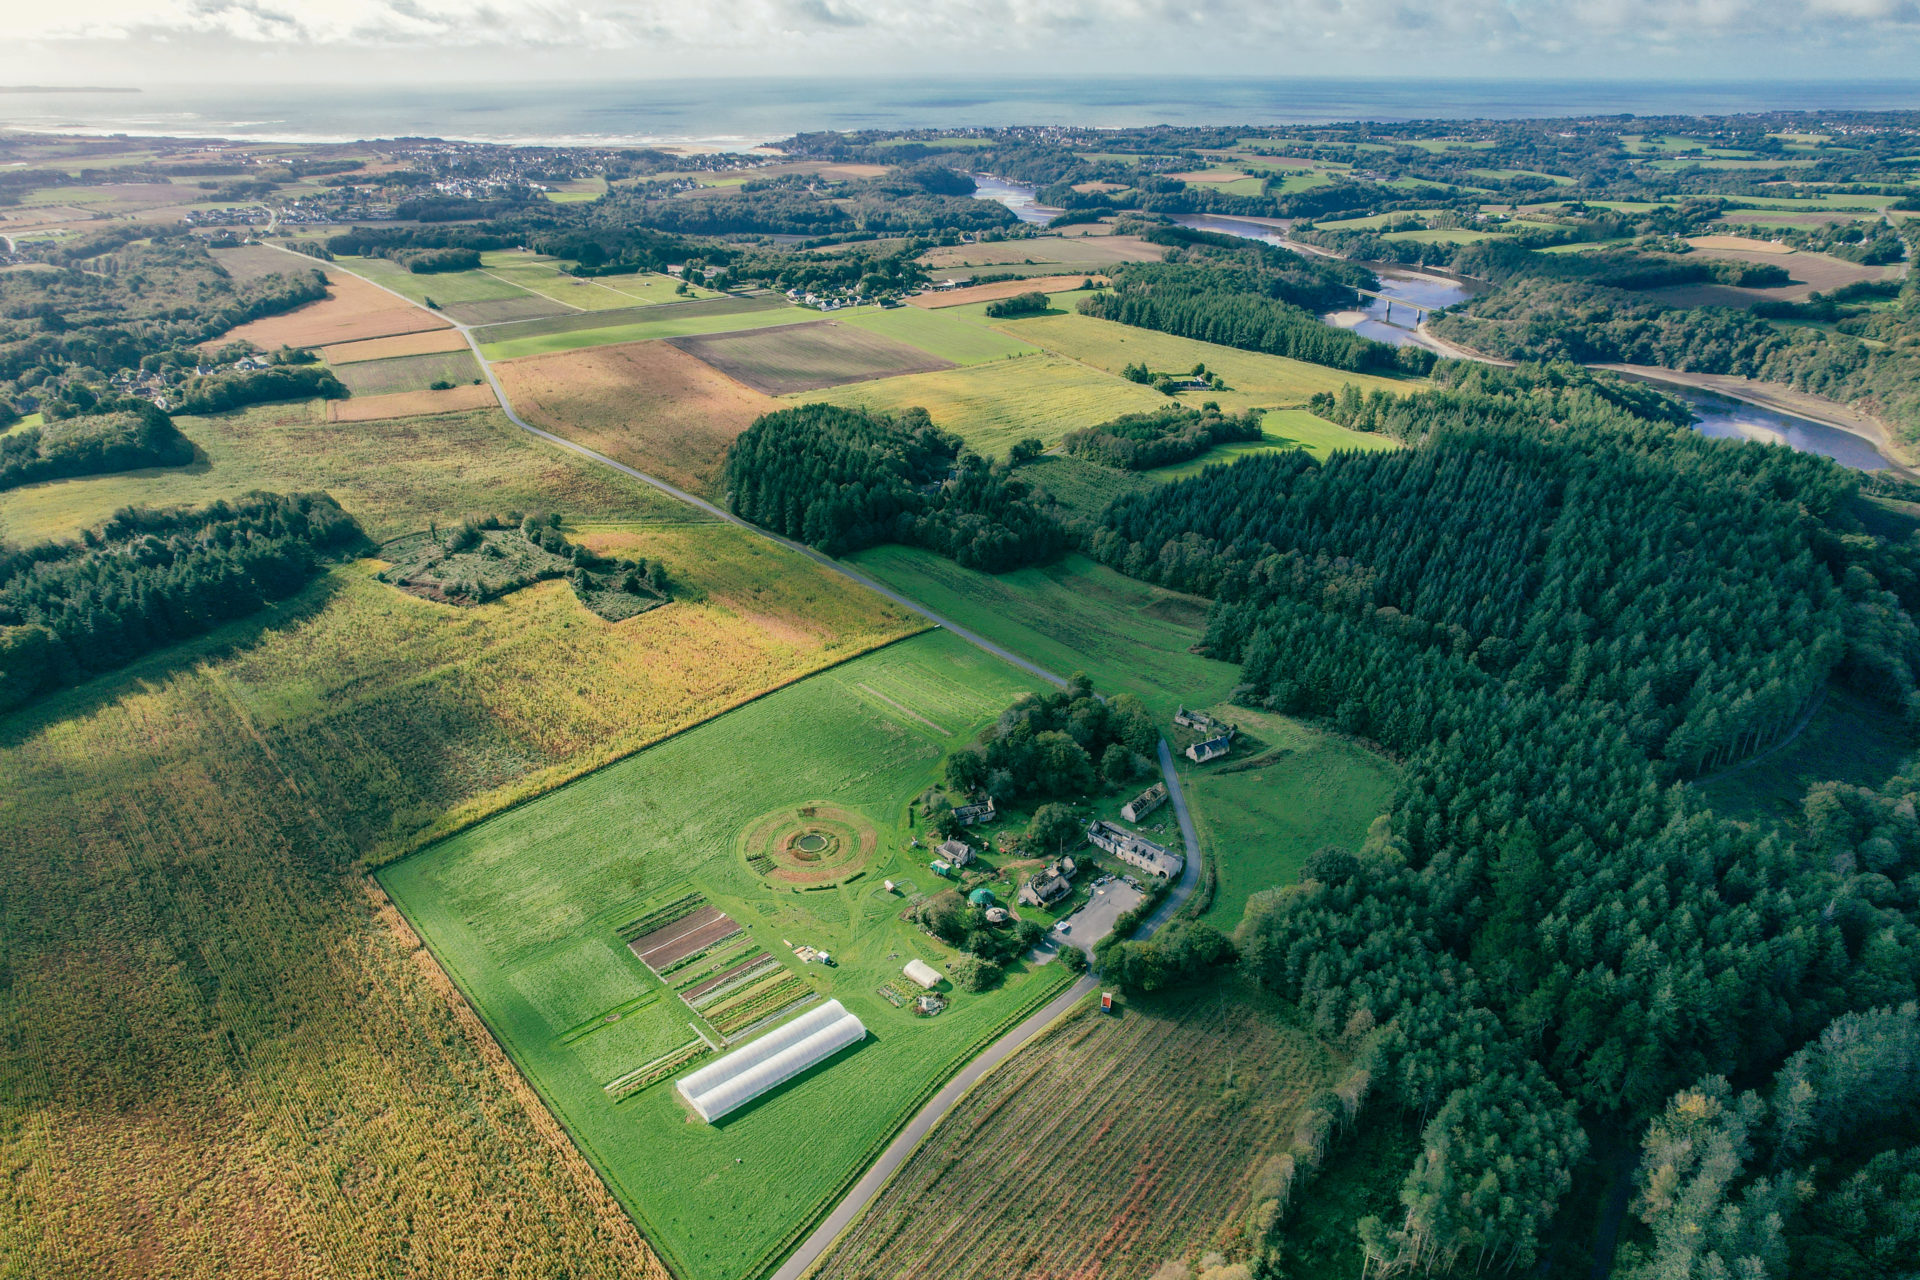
x=411, y=404
x=225, y=1053
x=648, y=404
x=353, y=310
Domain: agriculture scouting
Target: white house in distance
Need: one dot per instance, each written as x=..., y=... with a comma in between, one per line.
x=1135, y=850
x=923, y=973
x=1211, y=749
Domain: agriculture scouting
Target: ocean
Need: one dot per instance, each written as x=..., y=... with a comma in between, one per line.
x=729, y=114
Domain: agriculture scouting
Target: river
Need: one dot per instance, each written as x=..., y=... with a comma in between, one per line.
x=1722, y=417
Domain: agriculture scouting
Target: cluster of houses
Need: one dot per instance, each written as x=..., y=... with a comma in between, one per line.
x=1217, y=743
x=153, y=386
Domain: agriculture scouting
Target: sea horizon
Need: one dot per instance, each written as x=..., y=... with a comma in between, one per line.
x=719, y=113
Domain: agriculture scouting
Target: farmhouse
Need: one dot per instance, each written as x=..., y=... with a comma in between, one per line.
x=956, y=853
x=1211, y=749
x=923, y=973
x=1135, y=850
x=1145, y=803
x=783, y=1053
x=1044, y=888
x=968, y=814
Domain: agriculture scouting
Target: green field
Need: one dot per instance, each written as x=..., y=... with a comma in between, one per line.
x=994, y=405
x=1283, y=429
x=442, y=286
x=407, y=373
x=1072, y=615
x=678, y=324
x=1848, y=739
x=1258, y=825
x=1083, y=487
x=523, y=909
x=538, y=273
x=939, y=333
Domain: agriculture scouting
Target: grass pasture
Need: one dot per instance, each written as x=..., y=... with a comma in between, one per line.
x=1849, y=739
x=443, y=287
x=513, y=906
x=605, y=328
x=407, y=373
x=1253, y=380
x=808, y=357
x=1109, y=1146
x=1309, y=788
x=939, y=333
x=1281, y=429
x=411, y=404
x=648, y=404
x=994, y=405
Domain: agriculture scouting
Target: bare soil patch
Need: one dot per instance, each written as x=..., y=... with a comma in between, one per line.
x=406, y=344
x=648, y=404
x=1811, y=272
x=351, y=311
x=807, y=357
x=683, y=937
x=999, y=289
x=410, y=404
x=1747, y=243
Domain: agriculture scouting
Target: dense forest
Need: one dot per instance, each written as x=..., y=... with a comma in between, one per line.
x=840, y=479
x=1250, y=303
x=132, y=435
x=1556, y=606
x=1141, y=441
x=150, y=578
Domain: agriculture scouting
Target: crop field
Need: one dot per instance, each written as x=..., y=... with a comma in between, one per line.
x=540, y=274
x=516, y=902
x=391, y=478
x=574, y=322
x=407, y=373
x=993, y=405
x=1288, y=789
x=1113, y=1144
x=1253, y=380
x=647, y=404
x=999, y=289
x=940, y=333
x=407, y=344
x=411, y=404
x=808, y=357
x=353, y=310
x=443, y=287
x=721, y=315
x=1073, y=615
x=209, y=1008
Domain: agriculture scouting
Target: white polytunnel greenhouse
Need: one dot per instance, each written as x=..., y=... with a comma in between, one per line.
x=778, y=1056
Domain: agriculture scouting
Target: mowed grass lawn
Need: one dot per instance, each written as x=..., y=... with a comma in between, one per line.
x=442, y=286
x=994, y=405
x=523, y=909
x=1253, y=380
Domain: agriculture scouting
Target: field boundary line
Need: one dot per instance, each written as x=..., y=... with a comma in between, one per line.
x=421, y=843
x=904, y=710
x=820, y=558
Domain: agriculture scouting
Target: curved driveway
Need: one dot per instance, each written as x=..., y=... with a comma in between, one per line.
x=864, y=1191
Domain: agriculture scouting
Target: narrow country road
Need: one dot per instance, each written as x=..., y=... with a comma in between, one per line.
x=904, y=1143
x=865, y=1191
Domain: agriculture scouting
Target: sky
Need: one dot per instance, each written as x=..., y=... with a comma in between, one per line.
x=150, y=42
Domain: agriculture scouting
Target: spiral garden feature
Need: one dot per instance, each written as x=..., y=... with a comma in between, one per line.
x=811, y=846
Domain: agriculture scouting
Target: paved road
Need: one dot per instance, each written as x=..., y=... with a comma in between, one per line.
x=719, y=513
x=904, y=1143
x=869, y=1187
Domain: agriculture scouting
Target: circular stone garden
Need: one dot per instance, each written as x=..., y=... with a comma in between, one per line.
x=809, y=846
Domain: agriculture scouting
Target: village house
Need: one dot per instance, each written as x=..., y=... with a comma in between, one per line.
x=1211, y=749
x=1135, y=850
x=1145, y=803
x=955, y=853
x=1044, y=888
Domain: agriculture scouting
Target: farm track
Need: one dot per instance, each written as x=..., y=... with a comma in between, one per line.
x=836, y=1221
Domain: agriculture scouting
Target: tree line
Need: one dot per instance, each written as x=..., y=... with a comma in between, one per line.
x=132, y=435
x=840, y=479
x=1558, y=604
x=149, y=578
x=1142, y=441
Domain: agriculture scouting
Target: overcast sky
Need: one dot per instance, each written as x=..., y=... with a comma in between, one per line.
x=281, y=41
